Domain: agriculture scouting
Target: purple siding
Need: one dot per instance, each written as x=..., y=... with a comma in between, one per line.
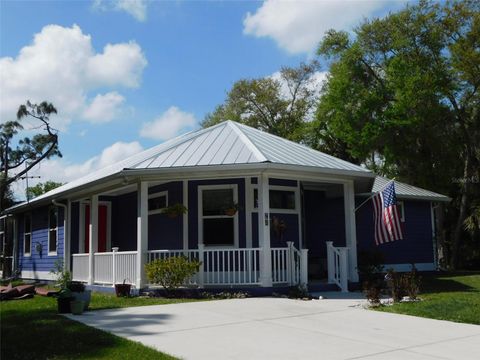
x=39, y=261
x=417, y=245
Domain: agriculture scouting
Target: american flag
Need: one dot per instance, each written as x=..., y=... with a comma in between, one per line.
x=387, y=219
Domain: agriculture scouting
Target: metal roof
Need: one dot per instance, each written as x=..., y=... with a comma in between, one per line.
x=227, y=143
x=231, y=143
x=408, y=191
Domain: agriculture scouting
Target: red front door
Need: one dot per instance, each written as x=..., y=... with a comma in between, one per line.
x=102, y=228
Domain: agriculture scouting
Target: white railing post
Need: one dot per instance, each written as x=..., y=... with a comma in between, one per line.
x=142, y=233
x=201, y=271
x=330, y=262
x=93, y=238
x=304, y=266
x=343, y=269
x=114, y=253
x=290, y=263
x=264, y=231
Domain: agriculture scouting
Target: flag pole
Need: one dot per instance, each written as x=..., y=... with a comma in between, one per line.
x=371, y=196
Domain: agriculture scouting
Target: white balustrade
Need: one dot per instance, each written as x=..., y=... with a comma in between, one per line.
x=337, y=263
x=80, y=267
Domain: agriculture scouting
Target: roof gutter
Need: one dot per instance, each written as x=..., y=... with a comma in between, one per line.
x=66, y=231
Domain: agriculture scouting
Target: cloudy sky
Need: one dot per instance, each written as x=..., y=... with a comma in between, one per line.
x=128, y=74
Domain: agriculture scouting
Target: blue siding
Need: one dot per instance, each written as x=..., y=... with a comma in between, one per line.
x=193, y=209
x=39, y=261
x=417, y=245
x=291, y=230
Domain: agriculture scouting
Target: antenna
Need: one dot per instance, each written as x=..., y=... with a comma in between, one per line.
x=26, y=177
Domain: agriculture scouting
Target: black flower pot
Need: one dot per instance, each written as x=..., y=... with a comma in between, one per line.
x=63, y=305
x=122, y=290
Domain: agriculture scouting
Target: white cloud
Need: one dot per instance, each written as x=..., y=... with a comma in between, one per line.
x=60, y=170
x=298, y=26
x=104, y=108
x=61, y=66
x=169, y=124
x=136, y=8
x=314, y=84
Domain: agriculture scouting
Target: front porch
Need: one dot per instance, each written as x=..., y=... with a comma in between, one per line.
x=244, y=249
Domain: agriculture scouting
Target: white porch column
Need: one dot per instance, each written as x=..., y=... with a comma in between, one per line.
x=185, y=216
x=67, y=235
x=350, y=230
x=142, y=232
x=264, y=231
x=93, y=238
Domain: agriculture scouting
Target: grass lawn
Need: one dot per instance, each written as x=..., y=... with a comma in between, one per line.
x=32, y=329
x=454, y=297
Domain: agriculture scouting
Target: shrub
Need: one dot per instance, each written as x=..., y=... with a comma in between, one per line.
x=298, y=292
x=372, y=291
x=370, y=265
x=62, y=277
x=395, y=284
x=411, y=283
x=171, y=272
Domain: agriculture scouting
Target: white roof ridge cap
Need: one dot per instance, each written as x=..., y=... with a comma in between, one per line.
x=248, y=142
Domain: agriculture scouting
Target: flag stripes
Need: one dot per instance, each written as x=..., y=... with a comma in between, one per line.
x=386, y=215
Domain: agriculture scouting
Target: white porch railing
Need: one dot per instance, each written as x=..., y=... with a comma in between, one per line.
x=80, y=267
x=286, y=265
x=109, y=267
x=219, y=267
x=337, y=260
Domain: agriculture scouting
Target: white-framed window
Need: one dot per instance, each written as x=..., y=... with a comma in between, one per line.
x=52, y=230
x=27, y=234
x=218, y=227
x=401, y=210
x=157, y=202
x=282, y=199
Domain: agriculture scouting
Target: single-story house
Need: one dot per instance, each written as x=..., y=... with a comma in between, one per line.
x=262, y=211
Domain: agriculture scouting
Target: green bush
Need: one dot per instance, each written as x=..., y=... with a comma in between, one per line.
x=401, y=285
x=373, y=290
x=172, y=272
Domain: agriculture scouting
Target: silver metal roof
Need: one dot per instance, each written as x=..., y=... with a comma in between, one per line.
x=227, y=143
x=408, y=191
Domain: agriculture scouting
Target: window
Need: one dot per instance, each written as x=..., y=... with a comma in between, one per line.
x=52, y=231
x=157, y=202
x=217, y=227
x=279, y=199
x=401, y=210
x=27, y=235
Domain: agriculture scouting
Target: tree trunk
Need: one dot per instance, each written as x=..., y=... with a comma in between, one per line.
x=462, y=215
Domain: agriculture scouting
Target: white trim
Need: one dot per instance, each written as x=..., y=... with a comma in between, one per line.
x=408, y=267
x=185, y=215
x=82, y=224
x=157, y=195
x=53, y=253
x=200, y=215
x=350, y=229
x=248, y=211
x=27, y=254
x=38, y=275
x=293, y=189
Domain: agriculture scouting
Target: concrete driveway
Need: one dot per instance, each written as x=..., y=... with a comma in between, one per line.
x=276, y=328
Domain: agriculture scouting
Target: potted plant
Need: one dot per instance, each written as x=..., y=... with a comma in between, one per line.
x=123, y=289
x=231, y=209
x=175, y=210
x=64, y=298
x=77, y=306
x=80, y=293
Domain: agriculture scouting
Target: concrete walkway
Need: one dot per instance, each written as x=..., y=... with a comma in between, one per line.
x=276, y=328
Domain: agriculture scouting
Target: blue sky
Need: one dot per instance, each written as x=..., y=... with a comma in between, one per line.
x=128, y=74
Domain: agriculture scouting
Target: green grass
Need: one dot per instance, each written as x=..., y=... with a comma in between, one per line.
x=32, y=329
x=454, y=297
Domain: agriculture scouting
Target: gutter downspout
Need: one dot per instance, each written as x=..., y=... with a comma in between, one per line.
x=66, y=241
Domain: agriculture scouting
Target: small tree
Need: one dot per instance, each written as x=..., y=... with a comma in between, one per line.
x=172, y=272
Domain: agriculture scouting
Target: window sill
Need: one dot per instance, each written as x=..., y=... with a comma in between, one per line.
x=27, y=255
x=52, y=253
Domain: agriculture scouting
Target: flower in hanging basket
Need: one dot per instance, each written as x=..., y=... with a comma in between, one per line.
x=175, y=210
x=231, y=209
